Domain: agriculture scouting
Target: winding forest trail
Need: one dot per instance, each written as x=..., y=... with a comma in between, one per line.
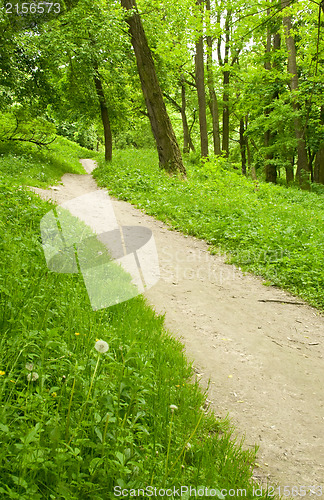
x=261, y=348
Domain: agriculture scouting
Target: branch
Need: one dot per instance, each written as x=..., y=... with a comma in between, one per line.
x=39, y=143
x=175, y=104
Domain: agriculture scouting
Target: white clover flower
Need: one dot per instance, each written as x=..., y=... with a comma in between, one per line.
x=188, y=446
x=29, y=367
x=101, y=346
x=173, y=407
x=32, y=376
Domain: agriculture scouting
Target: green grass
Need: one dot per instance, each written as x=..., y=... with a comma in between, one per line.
x=27, y=164
x=91, y=421
x=275, y=232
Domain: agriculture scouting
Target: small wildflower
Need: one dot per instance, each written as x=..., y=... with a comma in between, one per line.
x=32, y=376
x=54, y=394
x=76, y=333
x=173, y=407
x=188, y=446
x=101, y=346
x=29, y=367
x=2, y=373
x=12, y=381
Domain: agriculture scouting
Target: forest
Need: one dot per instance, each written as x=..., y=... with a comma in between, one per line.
x=208, y=117
x=234, y=80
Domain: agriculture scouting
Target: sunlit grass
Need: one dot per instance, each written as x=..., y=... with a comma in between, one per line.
x=28, y=164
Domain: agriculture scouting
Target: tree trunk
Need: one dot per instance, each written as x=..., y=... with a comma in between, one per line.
x=243, y=146
x=167, y=146
x=185, y=127
x=200, y=84
x=319, y=159
x=213, y=103
x=104, y=115
x=226, y=79
x=290, y=172
x=249, y=155
x=187, y=142
x=319, y=166
x=302, y=161
x=270, y=167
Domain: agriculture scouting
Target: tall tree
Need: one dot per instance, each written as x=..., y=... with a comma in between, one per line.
x=200, y=83
x=270, y=166
x=319, y=159
x=213, y=102
x=302, y=161
x=187, y=140
x=168, y=149
x=226, y=80
x=104, y=114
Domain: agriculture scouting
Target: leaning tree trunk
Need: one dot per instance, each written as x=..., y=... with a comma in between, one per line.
x=302, y=161
x=104, y=115
x=168, y=149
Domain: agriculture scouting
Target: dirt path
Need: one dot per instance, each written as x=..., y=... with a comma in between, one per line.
x=261, y=348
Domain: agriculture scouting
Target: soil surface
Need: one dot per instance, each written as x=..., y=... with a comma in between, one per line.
x=261, y=348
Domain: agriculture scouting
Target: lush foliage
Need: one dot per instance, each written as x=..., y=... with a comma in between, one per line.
x=48, y=66
x=271, y=230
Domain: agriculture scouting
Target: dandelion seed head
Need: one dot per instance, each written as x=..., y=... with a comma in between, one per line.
x=101, y=346
x=32, y=376
x=29, y=366
x=173, y=407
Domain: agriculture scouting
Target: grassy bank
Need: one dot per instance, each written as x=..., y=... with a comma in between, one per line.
x=275, y=232
x=30, y=165
x=77, y=421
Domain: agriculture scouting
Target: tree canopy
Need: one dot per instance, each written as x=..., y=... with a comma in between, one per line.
x=236, y=79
